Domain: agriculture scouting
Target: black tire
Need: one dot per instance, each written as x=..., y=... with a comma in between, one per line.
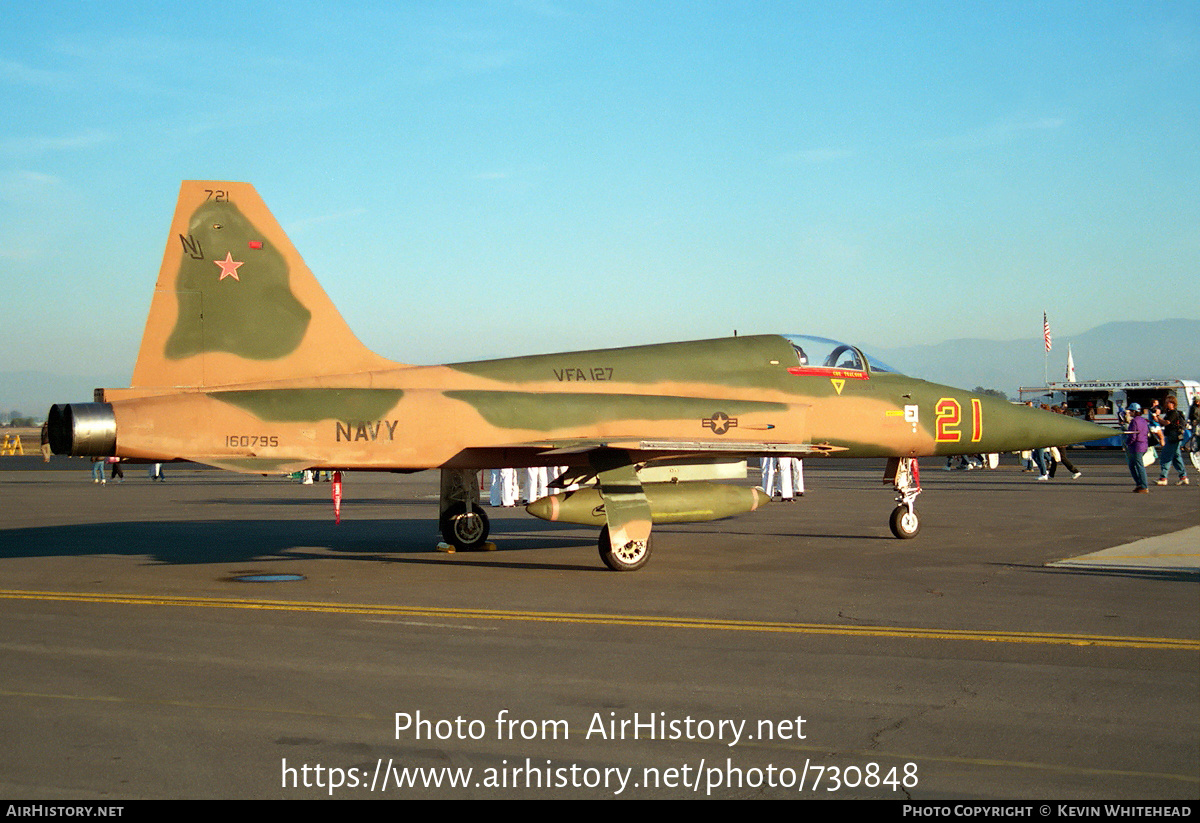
x=462, y=530
x=625, y=560
x=904, y=523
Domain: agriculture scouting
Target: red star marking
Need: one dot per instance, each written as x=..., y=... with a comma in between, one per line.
x=228, y=267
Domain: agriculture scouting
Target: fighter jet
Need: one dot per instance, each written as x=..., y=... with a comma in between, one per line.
x=246, y=365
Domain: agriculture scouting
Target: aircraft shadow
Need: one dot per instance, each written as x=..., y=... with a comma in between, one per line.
x=242, y=541
x=785, y=533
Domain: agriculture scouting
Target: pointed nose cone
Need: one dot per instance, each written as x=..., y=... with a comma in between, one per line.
x=1017, y=428
x=545, y=508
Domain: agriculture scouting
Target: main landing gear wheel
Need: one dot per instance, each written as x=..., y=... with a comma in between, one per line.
x=628, y=559
x=904, y=522
x=462, y=529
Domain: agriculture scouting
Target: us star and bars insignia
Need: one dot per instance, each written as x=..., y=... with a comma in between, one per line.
x=720, y=422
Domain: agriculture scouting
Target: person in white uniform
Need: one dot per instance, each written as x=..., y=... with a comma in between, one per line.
x=536, y=480
x=504, y=487
x=770, y=472
x=783, y=476
x=791, y=475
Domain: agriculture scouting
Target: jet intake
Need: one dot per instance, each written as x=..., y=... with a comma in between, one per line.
x=692, y=502
x=82, y=429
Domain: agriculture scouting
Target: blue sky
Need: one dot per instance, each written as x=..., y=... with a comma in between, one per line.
x=476, y=179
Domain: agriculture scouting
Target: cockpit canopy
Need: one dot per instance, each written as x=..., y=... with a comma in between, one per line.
x=821, y=353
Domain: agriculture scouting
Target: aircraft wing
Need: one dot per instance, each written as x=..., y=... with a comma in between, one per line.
x=628, y=451
x=697, y=448
x=639, y=451
x=678, y=448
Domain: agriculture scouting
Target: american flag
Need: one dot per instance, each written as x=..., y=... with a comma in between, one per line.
x=1046, y=331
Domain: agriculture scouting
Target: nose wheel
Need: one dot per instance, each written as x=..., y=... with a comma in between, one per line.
x=904, y=522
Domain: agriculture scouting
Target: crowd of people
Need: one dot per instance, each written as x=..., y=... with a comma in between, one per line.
x=783, y=477
x=1047, y=460
x=1160, y=432
x=505, y=488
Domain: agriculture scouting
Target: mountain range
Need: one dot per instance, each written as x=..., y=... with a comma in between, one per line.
x=1124, y=350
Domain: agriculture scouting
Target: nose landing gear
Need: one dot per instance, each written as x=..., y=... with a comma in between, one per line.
x=906, y=479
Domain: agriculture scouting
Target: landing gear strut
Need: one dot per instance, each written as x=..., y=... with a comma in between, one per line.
x=906, y=478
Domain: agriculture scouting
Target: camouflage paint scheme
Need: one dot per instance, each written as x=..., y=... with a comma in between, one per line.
x=246, y=364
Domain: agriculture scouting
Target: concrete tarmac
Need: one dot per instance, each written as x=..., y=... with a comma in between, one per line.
x=799, y=651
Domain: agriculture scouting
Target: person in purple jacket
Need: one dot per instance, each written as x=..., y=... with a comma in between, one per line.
x=1137, y=433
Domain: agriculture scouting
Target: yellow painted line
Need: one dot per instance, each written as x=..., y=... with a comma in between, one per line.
x=643, y=621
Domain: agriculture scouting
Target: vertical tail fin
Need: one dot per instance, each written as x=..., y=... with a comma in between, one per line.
x=235, y=303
